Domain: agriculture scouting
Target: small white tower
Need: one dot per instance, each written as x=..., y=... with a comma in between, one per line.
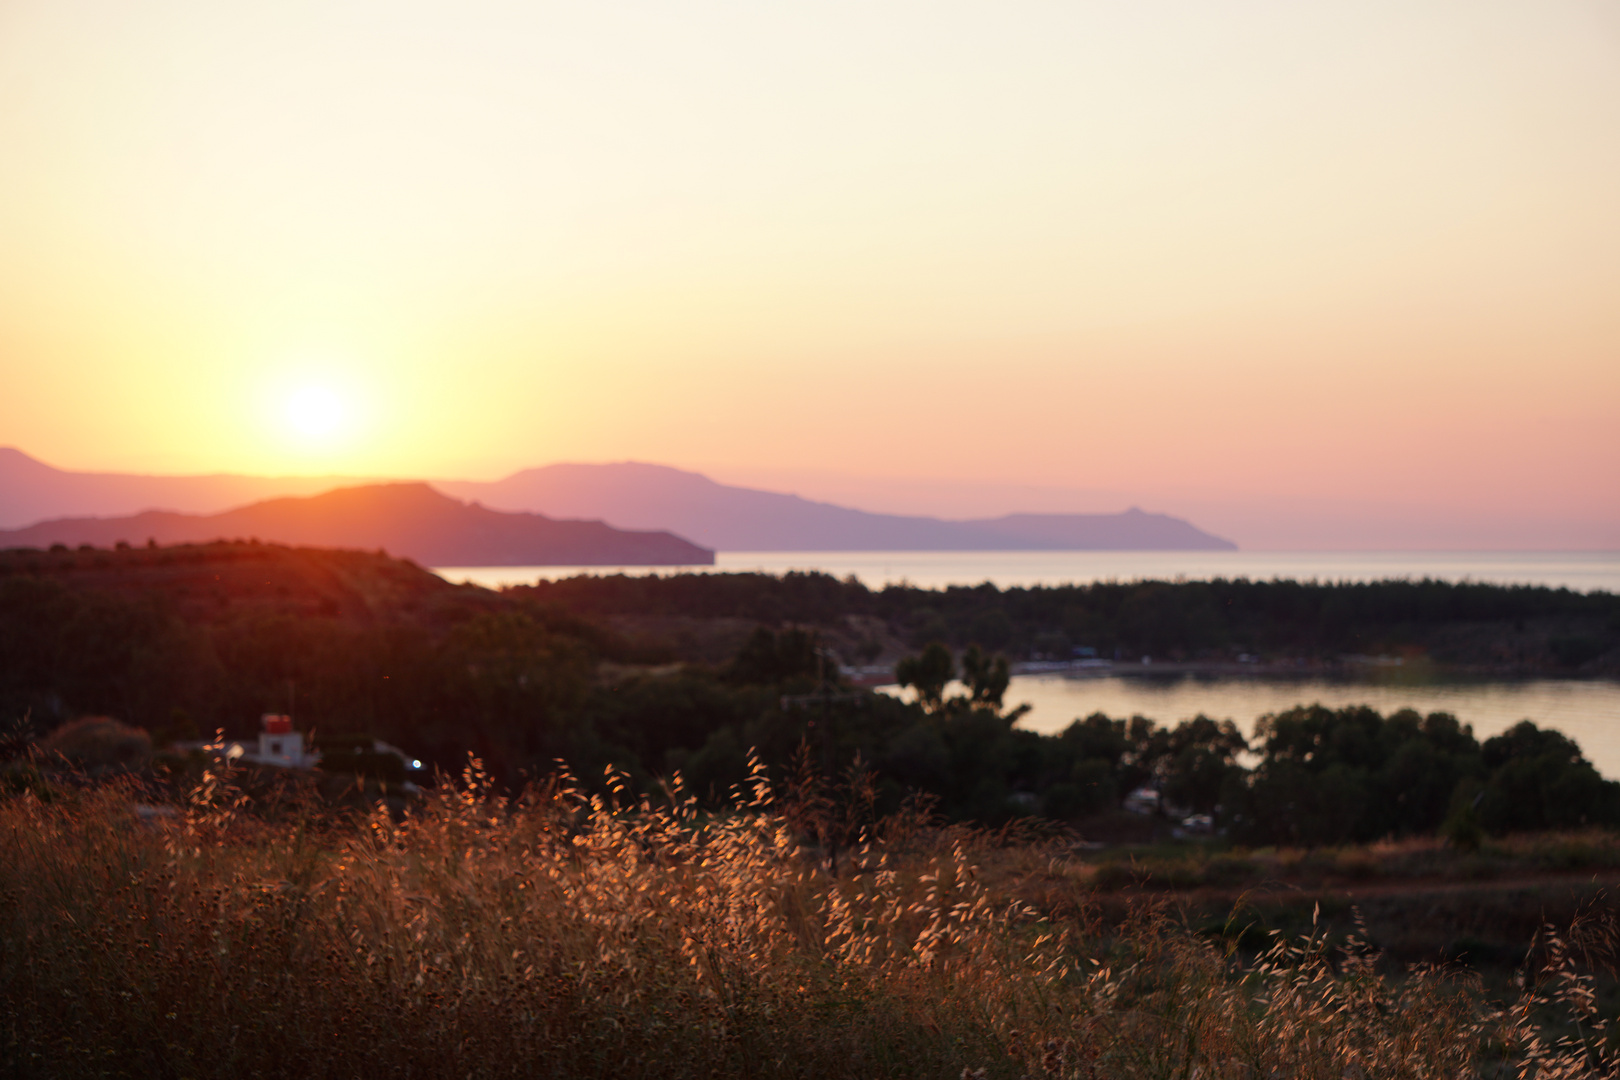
x=279, y=744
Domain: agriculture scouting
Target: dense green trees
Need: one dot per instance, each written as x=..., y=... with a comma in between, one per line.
x=1539, y=780
x=928, y=674
x=1331, y=776
x=520, y=680
x=1518, y=627
x=986, y=677
x=1313, y=775
x=770, y=657
x=508, y=685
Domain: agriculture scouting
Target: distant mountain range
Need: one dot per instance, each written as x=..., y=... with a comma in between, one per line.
x=634, y=495
x=32, y=491
x=408, y=520
x=625, y=495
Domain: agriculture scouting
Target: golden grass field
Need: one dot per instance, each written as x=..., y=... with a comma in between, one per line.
x=566, y=934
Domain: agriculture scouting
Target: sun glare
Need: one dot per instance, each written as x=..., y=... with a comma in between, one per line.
x=315, y=413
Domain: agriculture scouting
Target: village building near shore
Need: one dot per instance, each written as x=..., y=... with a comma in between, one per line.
x=283, y=746
x=280, y=744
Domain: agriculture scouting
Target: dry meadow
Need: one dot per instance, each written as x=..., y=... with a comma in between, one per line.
x=561, y=933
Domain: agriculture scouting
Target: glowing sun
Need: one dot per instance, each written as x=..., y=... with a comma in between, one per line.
x=316, y=413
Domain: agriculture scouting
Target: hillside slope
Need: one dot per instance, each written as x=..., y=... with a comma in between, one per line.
x=32, y=491
x=409, y=520
x=219, y=582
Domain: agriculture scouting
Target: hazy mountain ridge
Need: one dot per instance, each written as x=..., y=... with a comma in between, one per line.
x=726, y=518
x=32, y=491
x=411, y=520
x=625, y=495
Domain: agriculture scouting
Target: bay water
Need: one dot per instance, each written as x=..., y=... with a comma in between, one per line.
x=1582, y=571
x=1588, y=710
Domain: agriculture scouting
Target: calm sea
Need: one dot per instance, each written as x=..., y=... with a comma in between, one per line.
x=1586, y=710
x=1583, y=571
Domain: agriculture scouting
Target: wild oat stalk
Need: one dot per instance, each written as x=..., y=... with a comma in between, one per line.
x=567, y=933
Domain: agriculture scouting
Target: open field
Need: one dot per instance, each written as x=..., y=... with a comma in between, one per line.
x=560, y=934
x=1417, y=901
x=161, y=917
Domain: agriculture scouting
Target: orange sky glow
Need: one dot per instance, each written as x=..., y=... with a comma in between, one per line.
x=1244, y=262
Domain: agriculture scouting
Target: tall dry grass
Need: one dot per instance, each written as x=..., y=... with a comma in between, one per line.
x=567, y=934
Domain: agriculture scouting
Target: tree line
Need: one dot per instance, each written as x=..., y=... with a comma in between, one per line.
x=522, y=687
x=1521, y=627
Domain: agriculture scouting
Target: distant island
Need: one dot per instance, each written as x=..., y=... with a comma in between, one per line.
x=624, y=495
x=726, y=518
x=409, y=520
x=32, y=491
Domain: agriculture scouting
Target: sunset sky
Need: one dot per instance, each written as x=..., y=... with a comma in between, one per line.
x=1346, y=269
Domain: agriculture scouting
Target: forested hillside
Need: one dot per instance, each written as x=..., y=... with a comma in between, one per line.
x=1505, y=630
x=182, y=641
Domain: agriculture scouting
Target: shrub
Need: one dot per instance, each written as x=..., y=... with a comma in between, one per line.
x=98, y=744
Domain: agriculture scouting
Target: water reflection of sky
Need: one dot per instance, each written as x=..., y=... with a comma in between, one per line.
x=1587, y=710
x=1580, y=570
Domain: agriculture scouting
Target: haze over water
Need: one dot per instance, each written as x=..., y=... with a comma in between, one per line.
x=1581, y=571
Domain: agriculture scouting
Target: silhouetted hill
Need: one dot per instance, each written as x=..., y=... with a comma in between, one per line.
x=228, y=580
x=32, y=491
x=410, y=520
x=626, y=495
x=636, y=495
x=1134, y=530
